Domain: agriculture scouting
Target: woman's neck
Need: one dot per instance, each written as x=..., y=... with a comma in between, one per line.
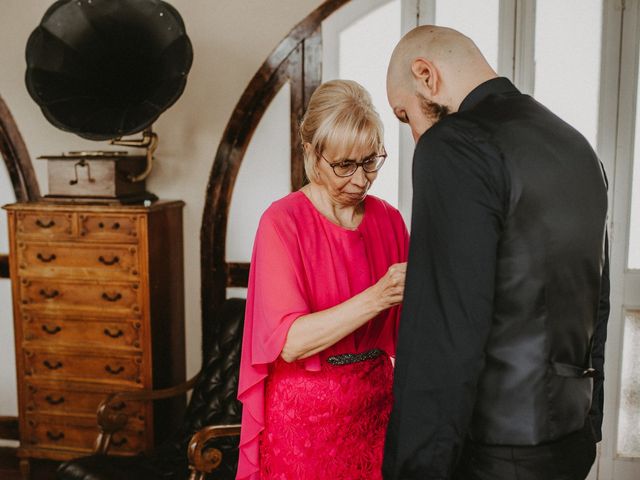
x=347, y=216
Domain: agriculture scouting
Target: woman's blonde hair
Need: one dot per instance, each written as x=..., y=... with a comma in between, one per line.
x=340, y=116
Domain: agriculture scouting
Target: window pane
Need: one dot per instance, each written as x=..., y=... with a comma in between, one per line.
x=567, y=61
x=477, y=20
x=6, y=196
x=629, y=419
x=365, y=47
x=8, y=397
x=634, y=225
x=264, y=176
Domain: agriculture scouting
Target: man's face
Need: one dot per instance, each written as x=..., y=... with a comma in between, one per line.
x=413, y=108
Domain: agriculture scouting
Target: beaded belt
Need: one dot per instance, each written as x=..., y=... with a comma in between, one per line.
x=347, y=358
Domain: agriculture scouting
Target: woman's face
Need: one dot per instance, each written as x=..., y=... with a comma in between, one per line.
x=349, y=190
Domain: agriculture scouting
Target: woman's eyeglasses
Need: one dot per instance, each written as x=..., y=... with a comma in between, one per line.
x=346, y=168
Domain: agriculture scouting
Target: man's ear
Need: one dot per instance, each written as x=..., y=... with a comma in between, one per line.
x=427, y=76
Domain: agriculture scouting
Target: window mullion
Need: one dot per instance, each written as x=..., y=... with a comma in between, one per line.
x=426, y=12
x=525, y=41
x=506, y=38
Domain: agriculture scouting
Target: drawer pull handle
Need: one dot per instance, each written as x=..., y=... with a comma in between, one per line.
x=51, y=366
x=55, y=436
x=104, y=261
x=41, y=224
x=51, y=331
x=119, y=443
x=51, y=294
x=54, y=401
x=109, y=333
x=118, y=406
x=48, y=259
x=117, y=371
x=111, y=298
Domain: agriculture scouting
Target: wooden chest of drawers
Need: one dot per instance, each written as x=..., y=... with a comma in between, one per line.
x=98, y=307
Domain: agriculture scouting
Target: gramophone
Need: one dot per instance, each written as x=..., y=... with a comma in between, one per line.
x=104, y=70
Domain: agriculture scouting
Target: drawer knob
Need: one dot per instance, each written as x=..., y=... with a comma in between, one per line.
x=111, y=298
x=54, y=401
x=55, y=436
x=46, y=259
x=51, y=331
x=111, y=334
x=42, y=224
x=51, y=294
x=112, y=371
x=114, y=226
x=120, y=442
x=52, y=366
x=118, y=406
x=104, y=261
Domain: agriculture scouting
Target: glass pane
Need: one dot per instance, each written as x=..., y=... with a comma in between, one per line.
x=477, y=20
x=634, y=225
x=8, y=395
x=265, y=176
x=567, y=61
x=365, y=47
x=629, y=415
x=6, y=196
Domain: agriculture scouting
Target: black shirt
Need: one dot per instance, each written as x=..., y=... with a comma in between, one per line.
x=460, y=203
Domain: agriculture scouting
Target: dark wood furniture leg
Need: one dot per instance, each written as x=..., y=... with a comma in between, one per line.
x=25, y=469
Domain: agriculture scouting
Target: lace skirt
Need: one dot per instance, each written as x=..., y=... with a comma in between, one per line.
x=326, y=425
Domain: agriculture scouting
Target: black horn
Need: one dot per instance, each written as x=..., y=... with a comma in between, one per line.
x=107, y=68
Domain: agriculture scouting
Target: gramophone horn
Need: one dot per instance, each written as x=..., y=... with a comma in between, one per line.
x=107, y=68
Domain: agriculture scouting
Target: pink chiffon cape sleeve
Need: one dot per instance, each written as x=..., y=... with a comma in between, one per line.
x=285, y=284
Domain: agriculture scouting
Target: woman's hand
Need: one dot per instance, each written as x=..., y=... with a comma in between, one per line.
x=315, y=332
x=389, y=290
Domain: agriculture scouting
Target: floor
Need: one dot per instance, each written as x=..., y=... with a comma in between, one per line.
x=9, y=470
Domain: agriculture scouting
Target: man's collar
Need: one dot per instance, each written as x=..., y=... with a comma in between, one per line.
x=490, y=87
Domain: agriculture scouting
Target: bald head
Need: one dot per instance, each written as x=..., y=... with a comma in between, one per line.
x=453, y=58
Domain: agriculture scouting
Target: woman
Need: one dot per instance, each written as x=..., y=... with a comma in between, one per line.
x=327, y=276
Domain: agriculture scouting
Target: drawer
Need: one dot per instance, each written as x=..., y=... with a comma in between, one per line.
x=109, y=228
x=45, y=225
x=64, y=399
x=109, y=368
x=61, y=432
x=75, y=331
x=79, y=260
x=101, y=298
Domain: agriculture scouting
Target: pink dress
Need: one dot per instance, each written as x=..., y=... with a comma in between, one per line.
x=312, y=419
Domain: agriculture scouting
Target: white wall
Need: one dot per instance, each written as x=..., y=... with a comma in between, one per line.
x=231, y=39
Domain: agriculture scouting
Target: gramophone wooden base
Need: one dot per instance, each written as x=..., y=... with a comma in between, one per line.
x=96, y=175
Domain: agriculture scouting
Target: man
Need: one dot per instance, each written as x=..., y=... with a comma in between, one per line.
x=501, y=343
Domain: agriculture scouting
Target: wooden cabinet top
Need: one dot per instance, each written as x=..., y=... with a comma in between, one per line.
x=97, y=208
